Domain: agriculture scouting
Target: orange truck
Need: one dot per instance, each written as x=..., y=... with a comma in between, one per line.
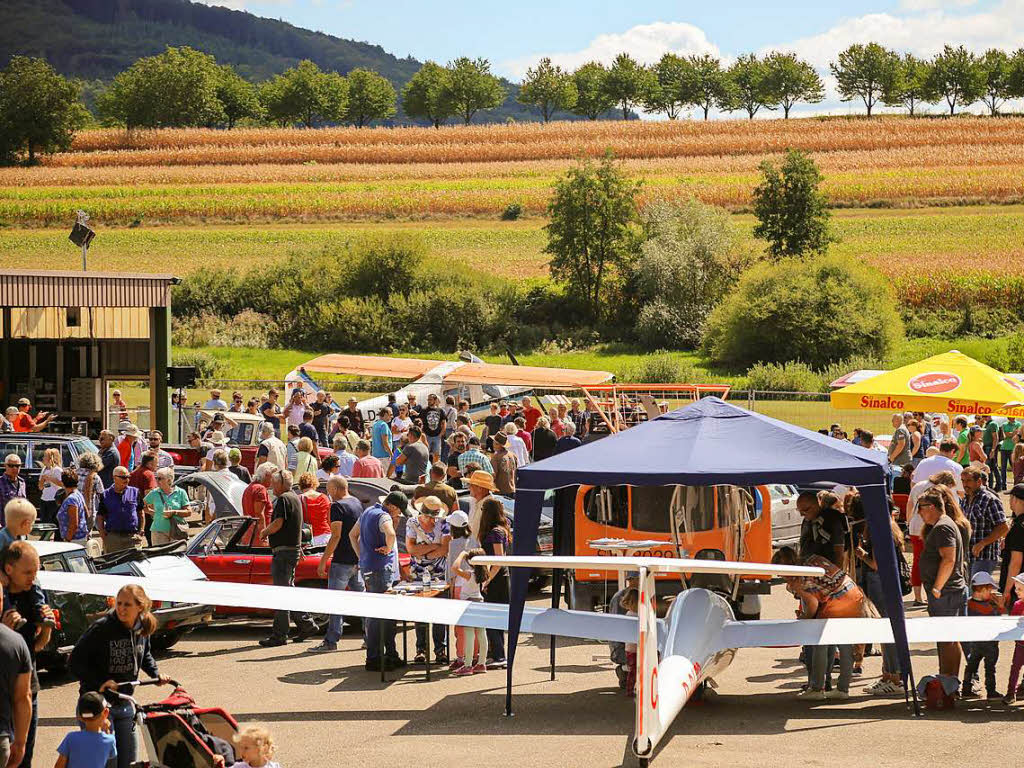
x=710, y=522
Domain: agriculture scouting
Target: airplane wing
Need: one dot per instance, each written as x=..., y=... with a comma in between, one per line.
x=652, y=564
x=370, y=365
x=762, y=634
x=579, y=624
x=525, y=376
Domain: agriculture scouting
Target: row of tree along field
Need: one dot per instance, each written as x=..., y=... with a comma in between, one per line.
x=40, y=110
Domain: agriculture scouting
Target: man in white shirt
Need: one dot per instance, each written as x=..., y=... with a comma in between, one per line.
x=942, y=462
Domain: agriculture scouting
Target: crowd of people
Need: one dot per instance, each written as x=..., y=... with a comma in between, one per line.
x=946, y=480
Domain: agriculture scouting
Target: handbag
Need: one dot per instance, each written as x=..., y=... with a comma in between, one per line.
x=904, y=568
x=179, y=527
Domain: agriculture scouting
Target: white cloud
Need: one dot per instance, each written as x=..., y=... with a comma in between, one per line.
x=923, y=34
x=926, y=5
x=645, y=42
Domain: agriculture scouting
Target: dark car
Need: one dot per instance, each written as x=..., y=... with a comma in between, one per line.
x=76, y=612
x=30, y=447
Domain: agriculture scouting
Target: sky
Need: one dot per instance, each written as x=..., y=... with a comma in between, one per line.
x=513, y=36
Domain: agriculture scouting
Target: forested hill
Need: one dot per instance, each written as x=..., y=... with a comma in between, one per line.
x=96, y=39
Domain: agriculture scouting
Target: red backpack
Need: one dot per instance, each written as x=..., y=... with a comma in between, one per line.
x=935, y=696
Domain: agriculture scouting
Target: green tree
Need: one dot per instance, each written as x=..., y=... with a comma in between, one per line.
x=471, y=87
x=174, y=89
x=792, y=212
x=689, y=259
x=748, y=87
x=370, y=97
x=39, y=110
x=907, y=84
x=957, y=76
x=628, y=83
x=239, y=99
x=997, y=69
x=549, y=88
x=790, y=80
x=425, y=96
x=817, y=312
x=704, y=83
x=305, y=95
x=1016, y=81
x=668, y=95
x=862, y=72
x=591, y=231
x=592, y=97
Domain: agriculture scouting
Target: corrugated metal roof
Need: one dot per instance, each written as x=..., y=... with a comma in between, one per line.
x=84, y=289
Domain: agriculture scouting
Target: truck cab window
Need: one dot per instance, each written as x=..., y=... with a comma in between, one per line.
x=608, y=505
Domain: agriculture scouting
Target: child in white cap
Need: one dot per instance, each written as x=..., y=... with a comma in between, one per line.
x=984, y=601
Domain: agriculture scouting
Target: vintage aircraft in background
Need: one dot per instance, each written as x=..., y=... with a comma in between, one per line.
x=469, y=378
x=697, y=638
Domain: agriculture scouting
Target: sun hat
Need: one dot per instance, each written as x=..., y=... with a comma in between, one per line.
x=983, y=579
x=482, y=479
x=352, y=400
x=132, y=430
x=501, y=438
x=217, y=438
x=24, y=401
x=1019, y=578
x=429, y=505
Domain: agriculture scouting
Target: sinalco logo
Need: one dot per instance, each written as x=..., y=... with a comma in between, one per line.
x=934, y=383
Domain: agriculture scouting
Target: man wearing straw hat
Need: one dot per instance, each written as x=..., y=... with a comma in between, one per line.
x=481, y=486
x=427, y=538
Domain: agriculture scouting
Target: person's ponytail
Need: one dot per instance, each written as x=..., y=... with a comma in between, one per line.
x=148, y=622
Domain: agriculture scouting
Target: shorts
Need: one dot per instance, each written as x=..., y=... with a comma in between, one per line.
x=948, y=604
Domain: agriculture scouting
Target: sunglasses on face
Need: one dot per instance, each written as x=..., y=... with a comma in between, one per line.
x=14, y=466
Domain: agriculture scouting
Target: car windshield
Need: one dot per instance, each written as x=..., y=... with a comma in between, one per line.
x=215, y=540
x=79, y=563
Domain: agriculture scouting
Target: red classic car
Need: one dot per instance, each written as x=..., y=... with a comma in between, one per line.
x=228, y=549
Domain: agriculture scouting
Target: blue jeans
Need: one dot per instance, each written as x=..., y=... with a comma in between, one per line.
x=282, y=574
x=439, y=635
x=979, y=566
x=30, y=741
x=434, y=446
x=341, y=576
x=1005, y=468
x=496, y=644
x=380, y=582
x=996, y=481
x=122, y=722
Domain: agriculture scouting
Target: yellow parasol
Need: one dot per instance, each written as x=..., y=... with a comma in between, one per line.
x=948, y=383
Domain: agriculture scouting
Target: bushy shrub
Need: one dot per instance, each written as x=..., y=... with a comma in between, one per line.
x=246, y=329
x=661, y=368
x=816, y=312
x=783, y=377
x=1015, y=353
x=688, y=261
x=206, y=365
x=512, y=212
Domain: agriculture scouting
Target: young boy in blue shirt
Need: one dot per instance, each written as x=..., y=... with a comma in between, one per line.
x=94, y=745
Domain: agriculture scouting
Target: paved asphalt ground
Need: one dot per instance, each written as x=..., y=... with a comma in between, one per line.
x=326, y=710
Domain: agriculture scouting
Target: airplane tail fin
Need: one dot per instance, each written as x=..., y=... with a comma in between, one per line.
x=648, y=722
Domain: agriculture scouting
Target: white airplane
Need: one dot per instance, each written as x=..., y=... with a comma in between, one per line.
x=697, y=639
x=469, y=378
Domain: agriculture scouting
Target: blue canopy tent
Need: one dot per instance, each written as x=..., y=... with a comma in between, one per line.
x=710, y=442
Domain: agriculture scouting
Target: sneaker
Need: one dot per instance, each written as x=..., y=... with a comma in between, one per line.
x=1009, y=698
x=858, y=670
x=421, y=658
x=273, y=642
x=394, y=662
x=456, y=665
x=463, y=671
x=441, y=659
x=812, y=694
x=884, y=688
x=837, y=694
x=478, y=669
x=993, y=695
x=372, y=666
x=967, y=692
x=323, y=647
x=497, y=664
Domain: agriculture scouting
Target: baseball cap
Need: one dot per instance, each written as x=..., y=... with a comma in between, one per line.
x=91, y=704
x=24, y=401
x=1018, y=491
x=458, y=519
x=983, y=579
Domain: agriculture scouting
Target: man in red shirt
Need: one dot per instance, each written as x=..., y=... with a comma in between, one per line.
x=256, y=497
x=365, y=464
x=24, y=422
x=531, y=414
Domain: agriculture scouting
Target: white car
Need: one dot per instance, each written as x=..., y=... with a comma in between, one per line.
x=786, y=520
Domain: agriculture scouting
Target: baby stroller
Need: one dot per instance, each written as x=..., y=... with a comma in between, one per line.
x=179, y=734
